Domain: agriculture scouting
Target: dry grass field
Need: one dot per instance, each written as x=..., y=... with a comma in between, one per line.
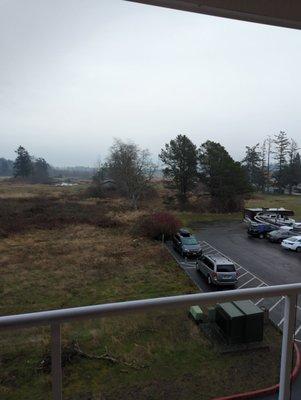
x=60, y=249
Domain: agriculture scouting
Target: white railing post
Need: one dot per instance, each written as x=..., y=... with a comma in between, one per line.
x=287, y=347
x=56, y=361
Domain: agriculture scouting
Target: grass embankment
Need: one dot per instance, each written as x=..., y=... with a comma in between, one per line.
x=83, y=253
x=192, y=219
x=289, y=202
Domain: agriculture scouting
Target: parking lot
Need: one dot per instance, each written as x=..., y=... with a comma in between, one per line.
x=258, y=263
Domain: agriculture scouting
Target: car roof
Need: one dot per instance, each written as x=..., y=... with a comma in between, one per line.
x=219, y=259
x=184, y=232
x=296, y=237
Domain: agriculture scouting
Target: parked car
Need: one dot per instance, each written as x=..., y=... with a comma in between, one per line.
x=293, y=243
x=218, y=270
x=186, y=244
x=259, y=230
x=278, y=235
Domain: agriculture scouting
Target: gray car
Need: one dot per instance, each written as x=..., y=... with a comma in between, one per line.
x=186, y=244
x=218, y=270
x=280, y=234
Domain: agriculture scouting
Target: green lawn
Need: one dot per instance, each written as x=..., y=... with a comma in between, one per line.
x=191, y=219
x=289, y=202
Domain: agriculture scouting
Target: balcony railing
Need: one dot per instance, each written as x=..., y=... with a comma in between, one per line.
x=55, y=318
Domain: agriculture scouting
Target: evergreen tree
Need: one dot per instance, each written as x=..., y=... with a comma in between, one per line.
x=180, y=158
x=254, y=166
x=269, y=151
x=40, y=171
x=292, y=171
x=281, y=142
x=226, y=179
x=22, y=164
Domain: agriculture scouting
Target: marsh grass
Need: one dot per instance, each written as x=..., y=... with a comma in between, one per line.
x=58, y=252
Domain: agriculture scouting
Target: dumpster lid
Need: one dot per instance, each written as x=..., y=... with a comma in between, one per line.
x=247, y=307
x=231, y=310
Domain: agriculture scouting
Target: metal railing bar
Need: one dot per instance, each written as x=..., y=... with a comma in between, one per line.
x=104, y=310
x=287, y=346
x=56, y=367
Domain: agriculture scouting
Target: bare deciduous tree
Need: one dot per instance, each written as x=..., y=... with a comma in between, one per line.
x=131, y=168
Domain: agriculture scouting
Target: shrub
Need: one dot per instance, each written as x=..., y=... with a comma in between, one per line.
x=155, y=225
x=19, y=215
x=95, y=190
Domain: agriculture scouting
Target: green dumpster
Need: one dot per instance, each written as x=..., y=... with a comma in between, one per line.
x=254, y=316
x=231, y=321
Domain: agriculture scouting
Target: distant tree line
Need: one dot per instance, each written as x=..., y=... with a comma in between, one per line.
x=275, y=164
x=29, y=168
x=6, y=167
x=72, y=172
x=37, y=170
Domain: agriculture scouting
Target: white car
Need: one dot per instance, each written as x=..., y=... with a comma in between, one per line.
x=292, y=243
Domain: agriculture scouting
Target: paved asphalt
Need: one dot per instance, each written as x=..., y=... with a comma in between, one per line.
x=259, y=263
x=267, y=260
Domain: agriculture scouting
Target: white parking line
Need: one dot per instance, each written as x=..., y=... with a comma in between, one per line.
x=276, y=304
x=298, y=330
x=240, y=276
x=262, y=284
x=188, y=263
x=259, y=301
x=281, y=321
x=210, y=252
x=250, y=280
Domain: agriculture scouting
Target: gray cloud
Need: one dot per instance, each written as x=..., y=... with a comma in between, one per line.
x=75, y=74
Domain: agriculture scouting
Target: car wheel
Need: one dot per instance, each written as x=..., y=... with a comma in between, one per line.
x=298, y=249
x=261, y=236
x=209, y=280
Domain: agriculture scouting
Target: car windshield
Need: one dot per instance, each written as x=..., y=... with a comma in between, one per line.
x=189, y=240
x=225, y=268
x=293, y=239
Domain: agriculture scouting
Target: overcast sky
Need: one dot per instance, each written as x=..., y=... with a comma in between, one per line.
x=75, y=74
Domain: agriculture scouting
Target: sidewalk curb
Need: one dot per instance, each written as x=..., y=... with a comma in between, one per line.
x=269, y=390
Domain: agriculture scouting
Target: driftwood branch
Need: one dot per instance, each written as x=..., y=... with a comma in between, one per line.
x=74, y=350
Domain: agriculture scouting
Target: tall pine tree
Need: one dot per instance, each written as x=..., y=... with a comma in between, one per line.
x=180, y=158
x=225, y=178
x=281, y=142
x=22, y=164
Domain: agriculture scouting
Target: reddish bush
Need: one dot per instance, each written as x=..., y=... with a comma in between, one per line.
x=158, y=224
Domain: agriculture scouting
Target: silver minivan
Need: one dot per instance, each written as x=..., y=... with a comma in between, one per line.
x=218, y=270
